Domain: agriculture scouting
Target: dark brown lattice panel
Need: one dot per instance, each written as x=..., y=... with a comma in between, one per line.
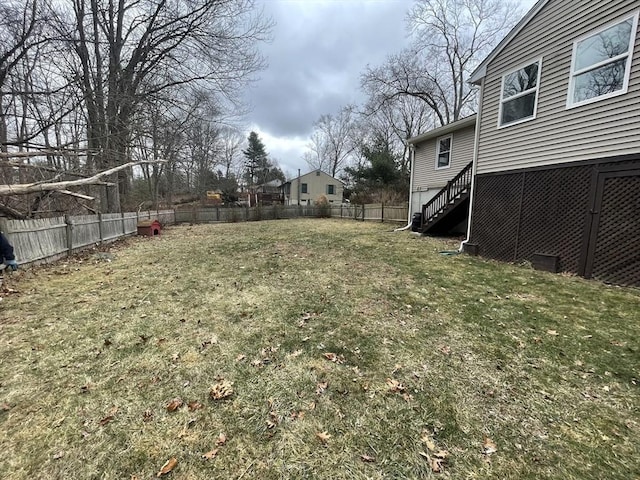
x=495, y=215
x=546, y=211
x=554, y=205
x=617, y=252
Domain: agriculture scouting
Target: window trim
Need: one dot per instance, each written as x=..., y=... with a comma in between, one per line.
x=333, y=187
x=629, y=54
x=450, y=137
x=304, y=188
x=521, y=94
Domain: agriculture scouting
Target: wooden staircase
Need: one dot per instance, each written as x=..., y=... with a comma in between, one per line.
x=447, y=207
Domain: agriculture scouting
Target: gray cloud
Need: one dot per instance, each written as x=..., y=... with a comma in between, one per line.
x=315, y=60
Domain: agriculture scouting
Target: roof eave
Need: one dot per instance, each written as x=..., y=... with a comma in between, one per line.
x=450, y=127
x=481, y=71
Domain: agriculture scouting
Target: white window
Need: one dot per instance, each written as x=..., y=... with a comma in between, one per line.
x=443, y=152
x=519, y=94
x=330, y=190
x=601, y=62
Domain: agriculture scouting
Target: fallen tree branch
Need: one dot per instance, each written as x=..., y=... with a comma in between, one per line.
x=24, y=188
x=75, y=194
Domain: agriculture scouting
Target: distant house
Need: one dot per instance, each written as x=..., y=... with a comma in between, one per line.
x=441, y=176
x=268, y=193
x=557, y=172
x=310, y=186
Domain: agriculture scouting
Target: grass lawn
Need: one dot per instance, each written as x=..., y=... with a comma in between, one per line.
x=314, y=349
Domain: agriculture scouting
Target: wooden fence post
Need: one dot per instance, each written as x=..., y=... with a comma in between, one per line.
x=363, y=212
x=100, y=229
x=124, y=229
x=217, y=214
x=382, y=212
x=69, y=229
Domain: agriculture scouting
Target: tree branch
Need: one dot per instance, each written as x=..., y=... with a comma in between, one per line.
x=22, y=189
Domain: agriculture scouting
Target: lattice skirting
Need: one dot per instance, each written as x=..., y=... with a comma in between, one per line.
x=588, y=215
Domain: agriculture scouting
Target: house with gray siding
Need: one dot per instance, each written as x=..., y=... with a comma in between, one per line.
x=439, y=156
x=557, y=157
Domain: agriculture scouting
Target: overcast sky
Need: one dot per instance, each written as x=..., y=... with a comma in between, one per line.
x=319, y=50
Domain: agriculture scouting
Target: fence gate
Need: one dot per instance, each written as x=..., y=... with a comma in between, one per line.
x=611, y=245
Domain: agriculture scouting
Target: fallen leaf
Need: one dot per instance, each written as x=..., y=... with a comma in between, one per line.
x=147, y=416
x=221, y=440
x=367, y=458
x=220, y=390
x=323, y=436
x=321, y=387
x=295, y=354
x=110, y=415
x=437, y=461
x=5, y=407
x=395, y=386
x=552, y=333
x=445, y=349
x=330, y=356
x=211, y=454
x=168, y=466
x=240, y=357
x=58, y=456
x=297, y=415
x=194, y=406
x=174, y=405
x=488, y=446
x=273, y=420
x=428, y=441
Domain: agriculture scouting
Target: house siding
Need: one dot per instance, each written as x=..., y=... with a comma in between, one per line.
x=316, y=186
x=557, y=135
x=426, y=176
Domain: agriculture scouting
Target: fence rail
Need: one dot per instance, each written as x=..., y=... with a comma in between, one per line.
x=48, y=239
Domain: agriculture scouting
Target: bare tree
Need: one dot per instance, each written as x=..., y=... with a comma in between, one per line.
x=450, y=38
x=393, y=122
x=18, y=29
x=230, y=150
x=317, y=155
x=332, y=142
x=127, y=52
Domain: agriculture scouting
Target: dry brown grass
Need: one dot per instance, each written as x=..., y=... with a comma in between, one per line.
x=319, y=349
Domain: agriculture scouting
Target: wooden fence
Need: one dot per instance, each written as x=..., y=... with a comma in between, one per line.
x=369, y=212
x=48, y=239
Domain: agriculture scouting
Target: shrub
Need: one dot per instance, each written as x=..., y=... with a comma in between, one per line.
x=323, y=207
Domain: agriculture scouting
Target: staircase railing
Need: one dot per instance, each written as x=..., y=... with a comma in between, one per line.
x=458, y=184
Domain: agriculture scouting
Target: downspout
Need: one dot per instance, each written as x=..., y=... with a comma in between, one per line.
x=474, y=167
x=412, y=155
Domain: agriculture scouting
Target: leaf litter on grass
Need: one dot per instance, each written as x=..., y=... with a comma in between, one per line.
x=471, y=367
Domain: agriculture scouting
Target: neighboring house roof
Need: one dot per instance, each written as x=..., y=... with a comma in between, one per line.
x=480, y=72
x=448, y=128
x=309, y=173
x=271, y=183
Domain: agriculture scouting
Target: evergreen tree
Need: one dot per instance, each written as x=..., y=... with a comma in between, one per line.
x=257, y=160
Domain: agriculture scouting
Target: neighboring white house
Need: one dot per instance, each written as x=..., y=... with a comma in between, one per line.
x=557, y=160
x=308, y=187
x=439, y=155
